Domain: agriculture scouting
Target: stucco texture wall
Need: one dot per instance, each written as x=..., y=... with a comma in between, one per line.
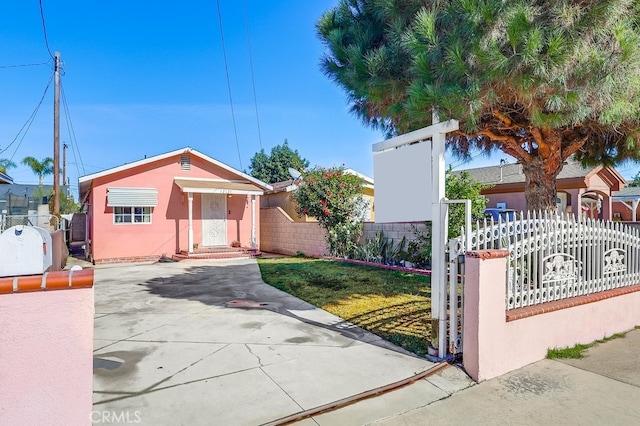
x=494, y=346
x=168, y=231
x=46, y=357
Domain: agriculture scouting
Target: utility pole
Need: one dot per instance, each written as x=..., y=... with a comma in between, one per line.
x=56, y=135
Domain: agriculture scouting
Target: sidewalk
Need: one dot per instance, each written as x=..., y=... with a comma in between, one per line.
x=602, y=388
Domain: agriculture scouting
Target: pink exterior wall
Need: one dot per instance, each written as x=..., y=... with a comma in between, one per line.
x=514, y=200
x=168, y=232
x=492, y=346
x=46, y=357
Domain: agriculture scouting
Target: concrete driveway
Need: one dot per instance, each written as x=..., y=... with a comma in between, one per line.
x=207, y=342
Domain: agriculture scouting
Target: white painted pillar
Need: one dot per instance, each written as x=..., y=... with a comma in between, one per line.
x=634, y=210
x=253, y=222
x=190, y=233
x=438, y=239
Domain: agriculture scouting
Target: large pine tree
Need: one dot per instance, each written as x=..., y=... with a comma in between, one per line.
x=539, y=80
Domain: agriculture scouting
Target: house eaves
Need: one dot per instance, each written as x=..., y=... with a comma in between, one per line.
x=5, y=179
x=85, y=181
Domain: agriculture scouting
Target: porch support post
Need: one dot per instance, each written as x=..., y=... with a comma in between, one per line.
x=190, y=233
x=253, y=222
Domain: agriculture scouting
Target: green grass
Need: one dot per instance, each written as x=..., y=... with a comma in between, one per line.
x=578, y=351
x=392, y=304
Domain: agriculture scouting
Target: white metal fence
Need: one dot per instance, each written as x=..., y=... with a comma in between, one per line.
x=558, y=257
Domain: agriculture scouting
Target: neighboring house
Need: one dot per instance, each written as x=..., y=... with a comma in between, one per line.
x=625, y=204
x=19, y=199
x=167, y=204
x=581, y=191
x=282, y=196
x=5, y=179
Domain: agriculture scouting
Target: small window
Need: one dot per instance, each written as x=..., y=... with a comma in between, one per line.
x=124, y=215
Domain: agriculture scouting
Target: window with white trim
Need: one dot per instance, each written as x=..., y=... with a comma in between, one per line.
x=129, y=215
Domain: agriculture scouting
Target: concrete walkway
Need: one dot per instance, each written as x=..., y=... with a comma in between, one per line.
x=207, y=342
x=602, y=388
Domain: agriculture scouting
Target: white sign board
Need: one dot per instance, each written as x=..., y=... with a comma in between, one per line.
x=403, y=185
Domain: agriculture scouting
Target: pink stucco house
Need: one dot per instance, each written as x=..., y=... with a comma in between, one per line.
x=582, y=191
x=180, y=202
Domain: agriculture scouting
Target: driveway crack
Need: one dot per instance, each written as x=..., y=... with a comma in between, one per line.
x=254, y=354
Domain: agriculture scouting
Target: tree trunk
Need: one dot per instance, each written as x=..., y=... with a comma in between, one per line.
x=540, y=182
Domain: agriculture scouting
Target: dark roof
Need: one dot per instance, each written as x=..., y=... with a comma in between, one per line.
x=512, y=173
x=281, y=185
x=628, y=192
x=23, y=190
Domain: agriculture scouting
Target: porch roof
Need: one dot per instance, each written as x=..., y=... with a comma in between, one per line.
x=217, y=186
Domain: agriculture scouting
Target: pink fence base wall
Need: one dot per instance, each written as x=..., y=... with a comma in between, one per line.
x=46, y=357
x=492, y=346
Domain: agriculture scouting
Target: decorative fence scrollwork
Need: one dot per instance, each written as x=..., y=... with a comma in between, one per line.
x=557, y=257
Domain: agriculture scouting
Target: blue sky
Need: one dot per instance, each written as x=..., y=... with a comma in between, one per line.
x=143, y=78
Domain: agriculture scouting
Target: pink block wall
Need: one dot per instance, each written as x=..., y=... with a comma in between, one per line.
x=168, y=231
x=46, y=357
x=492, y=346
x=281, y=234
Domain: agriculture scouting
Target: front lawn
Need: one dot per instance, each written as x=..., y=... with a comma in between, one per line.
x=394, y=305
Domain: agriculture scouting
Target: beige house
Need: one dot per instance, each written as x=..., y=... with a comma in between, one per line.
x=282, y=196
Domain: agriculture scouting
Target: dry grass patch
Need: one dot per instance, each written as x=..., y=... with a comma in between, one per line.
x=394, y=305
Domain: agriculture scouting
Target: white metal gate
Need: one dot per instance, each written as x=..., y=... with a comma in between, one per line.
x=214, y=220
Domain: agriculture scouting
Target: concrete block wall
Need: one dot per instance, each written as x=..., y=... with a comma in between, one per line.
x=393, y=231
x=281, y=234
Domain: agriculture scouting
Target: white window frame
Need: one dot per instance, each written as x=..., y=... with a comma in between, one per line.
x=132, y=215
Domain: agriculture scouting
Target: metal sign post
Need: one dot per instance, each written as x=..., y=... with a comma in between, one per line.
x=410, y=187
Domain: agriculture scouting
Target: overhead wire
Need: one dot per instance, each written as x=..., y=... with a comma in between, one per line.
x=44, y=30
x=72, y=132
x=253, y=81
x=25, y=127
x=226, y=67
x=25, y=65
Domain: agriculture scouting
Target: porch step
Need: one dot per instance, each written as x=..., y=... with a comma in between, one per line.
x=217, y=253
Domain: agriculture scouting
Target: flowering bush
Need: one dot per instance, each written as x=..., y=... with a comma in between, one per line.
x=334, y=199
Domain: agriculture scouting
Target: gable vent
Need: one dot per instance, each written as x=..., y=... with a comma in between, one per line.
x=185, y=162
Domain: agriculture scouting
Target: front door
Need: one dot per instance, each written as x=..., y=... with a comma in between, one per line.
x=214, y=223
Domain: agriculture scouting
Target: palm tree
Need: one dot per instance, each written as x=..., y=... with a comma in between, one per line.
x=39, y=168
x=6, y=164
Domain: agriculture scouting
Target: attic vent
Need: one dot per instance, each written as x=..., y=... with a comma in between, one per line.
x=185, y=162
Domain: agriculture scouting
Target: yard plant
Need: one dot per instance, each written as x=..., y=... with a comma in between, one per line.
x=392, y=304
x=334, y=198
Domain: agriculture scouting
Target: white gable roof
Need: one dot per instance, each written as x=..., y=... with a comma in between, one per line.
x=85, y=181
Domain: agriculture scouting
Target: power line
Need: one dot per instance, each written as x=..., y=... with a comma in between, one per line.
x=24, y=65
x=44, y=30
x=226, y=67
x=253, y=81
x=72, y=132
x=25, y=127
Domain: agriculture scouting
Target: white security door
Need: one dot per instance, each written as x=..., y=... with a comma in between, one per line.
x=214, y=222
